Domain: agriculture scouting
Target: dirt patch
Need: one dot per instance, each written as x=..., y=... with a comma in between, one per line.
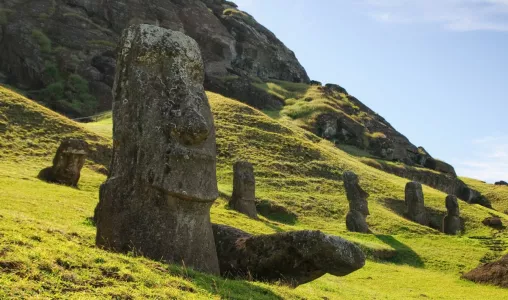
x=495, y=273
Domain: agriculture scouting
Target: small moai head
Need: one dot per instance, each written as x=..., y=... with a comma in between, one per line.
x=69, y=160
x=356, y=196
x=244, y=182
x=452, y=205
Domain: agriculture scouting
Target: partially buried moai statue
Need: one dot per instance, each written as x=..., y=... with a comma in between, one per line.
x=451, y=222
x=358, y=205
x=162, y=183
x=244, y=189
x=415, y=203
x=67, y=163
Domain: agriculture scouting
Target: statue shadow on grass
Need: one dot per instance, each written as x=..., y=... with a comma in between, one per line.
x=271, y=211
x=225, y=288
x=435, y=216
x=405, y=255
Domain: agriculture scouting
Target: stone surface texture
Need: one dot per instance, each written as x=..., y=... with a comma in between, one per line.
x=294, y=258
x=162, y=182
x=451, y=222
x=244, y=189
x=358, y=205
x=415, y=204
x=69, y=159
x=86, y=33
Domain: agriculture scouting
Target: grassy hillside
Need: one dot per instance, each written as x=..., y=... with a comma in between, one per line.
x=497, y=194
x=47, y=239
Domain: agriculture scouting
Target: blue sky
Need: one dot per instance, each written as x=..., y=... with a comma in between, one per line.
x=435, y=69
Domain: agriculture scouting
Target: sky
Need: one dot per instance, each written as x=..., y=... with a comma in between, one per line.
x=435, y=69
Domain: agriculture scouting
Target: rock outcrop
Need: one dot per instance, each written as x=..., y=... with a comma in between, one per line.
x=162, y=181
x=451, y=222
x=502, y=182
x=69, y=159
x=358, y=205
x=244, y=189
x=495, y=273
x=415, y=204
x=43, y=43
x=294, y=258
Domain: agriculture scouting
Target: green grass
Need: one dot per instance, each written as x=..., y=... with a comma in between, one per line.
x=47, y=241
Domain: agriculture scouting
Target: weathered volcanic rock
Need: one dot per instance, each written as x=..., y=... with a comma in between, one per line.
x=67, y=163
x=495, y=273
x=294, y=258
x=78, y=36
x=451, y=222
x=358, y=205
x=162, y=179
x=494, y=222
x=244, y=189
x=415, y=205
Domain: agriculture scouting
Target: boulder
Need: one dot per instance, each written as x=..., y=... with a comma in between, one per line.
x=493, y=222
x=294, y=258
x=495, y=273
x=502, y=182
x=358, y=205
x=340, y=128
x=331, y=88
x=162, y=180
x=67, y=163
x=443, y=167
x=451, y=222
x=316, y=83
x=244, y=189
x=415, y=204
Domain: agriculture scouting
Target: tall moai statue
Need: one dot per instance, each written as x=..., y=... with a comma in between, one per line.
x=358, y=205
x=451, y=222
x=162, y=181
x=244, y=189
x=415, y=204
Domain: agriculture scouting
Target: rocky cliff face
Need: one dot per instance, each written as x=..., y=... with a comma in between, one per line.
x=63, y=51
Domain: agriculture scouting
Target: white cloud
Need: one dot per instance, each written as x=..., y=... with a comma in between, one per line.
x=456, y=15
x=489, y=161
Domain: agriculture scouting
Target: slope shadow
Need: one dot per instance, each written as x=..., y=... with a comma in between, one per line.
x=395, y=205
x=269, y=210
x=435, y=216
x=405, y=255
x=222, y=287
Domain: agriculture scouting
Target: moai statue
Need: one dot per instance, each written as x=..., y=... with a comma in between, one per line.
x=415, y=205
x=162, y=181
x=244, y=189
x=451, y=222
x=67, y=163
x=358, y=205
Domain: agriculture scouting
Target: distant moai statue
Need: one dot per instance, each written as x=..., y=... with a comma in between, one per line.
x=451, y=222
x=415, y=204
x=67, y=163
x=358, y=205
x=244, y=189
x=162, y=180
